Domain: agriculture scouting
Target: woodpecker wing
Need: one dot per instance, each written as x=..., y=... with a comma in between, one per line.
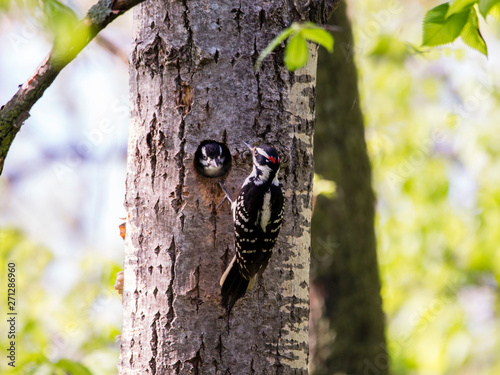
x=274, y=225
x=248, y=232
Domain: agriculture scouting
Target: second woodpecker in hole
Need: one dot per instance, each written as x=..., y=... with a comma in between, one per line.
x=212, y=159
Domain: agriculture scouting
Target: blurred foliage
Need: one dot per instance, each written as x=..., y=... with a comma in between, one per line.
x=58, y=20
x=391, y=48
x=59, y=333
x=68, y=314
x=432, y=134
x=323, y=187
x=53, y=14
x=55, y=17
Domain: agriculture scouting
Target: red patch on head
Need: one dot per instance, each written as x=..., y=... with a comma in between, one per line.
x=273, y=160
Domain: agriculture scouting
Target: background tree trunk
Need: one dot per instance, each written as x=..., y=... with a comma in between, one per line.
x=347, y=330
x=191, y=79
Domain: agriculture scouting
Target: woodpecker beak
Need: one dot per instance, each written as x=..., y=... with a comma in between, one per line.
x=213, y=163
x=250, y=147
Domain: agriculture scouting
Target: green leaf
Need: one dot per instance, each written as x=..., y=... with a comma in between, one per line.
x=485, y=6
x=274, y=43
x=458, y=5
x=296, y=52
x=297, y=34
x=72, y=367
x=320, y=36
x=471, y=34
x=439, y=30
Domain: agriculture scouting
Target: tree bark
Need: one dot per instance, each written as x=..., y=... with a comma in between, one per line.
x=191, y=79
x=347, y=320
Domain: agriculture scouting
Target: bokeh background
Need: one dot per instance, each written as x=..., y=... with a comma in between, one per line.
x=433, y=135
x=61, y=198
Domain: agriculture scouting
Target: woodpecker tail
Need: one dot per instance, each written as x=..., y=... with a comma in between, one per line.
x=233, y=285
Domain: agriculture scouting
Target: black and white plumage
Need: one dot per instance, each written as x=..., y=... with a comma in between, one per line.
x=212, y=159
x=257, y=213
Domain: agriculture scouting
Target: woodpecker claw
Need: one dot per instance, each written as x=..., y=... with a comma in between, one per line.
x=223, y=187
x=220, y=204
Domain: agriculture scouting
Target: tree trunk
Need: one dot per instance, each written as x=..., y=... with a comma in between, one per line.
x=347, y=327
x=192, y=79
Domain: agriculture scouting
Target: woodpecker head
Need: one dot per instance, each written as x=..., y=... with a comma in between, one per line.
x=212, y=159
x=266, y=163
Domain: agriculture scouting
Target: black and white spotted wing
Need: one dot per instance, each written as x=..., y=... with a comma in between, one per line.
x=257, y=220
x=274, y=225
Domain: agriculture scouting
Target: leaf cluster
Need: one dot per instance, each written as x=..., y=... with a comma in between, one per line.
x=458, y=19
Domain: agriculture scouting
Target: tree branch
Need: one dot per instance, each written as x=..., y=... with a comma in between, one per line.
x=64, y=50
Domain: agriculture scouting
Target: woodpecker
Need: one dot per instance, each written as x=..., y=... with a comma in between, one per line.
x=257, y=214
x=212, y=159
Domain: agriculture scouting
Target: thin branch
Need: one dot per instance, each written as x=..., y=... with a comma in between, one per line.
x=64, y=50
x=112, y=48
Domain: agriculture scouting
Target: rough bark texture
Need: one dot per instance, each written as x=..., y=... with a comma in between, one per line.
x=347, y=327
x=192, y=79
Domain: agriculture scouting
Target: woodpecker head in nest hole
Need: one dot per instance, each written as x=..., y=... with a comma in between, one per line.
x=212, y=159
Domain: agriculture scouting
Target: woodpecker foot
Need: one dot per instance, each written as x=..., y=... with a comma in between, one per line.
x=223, y=187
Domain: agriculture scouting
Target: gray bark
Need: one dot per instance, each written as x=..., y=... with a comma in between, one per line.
x=347, y=323
x=192, y=78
